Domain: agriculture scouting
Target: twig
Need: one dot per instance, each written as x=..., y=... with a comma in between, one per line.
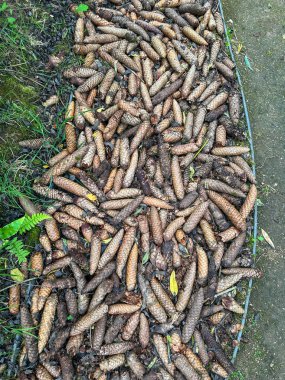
x=15, y=352
x=225, y=291
x=10, y=286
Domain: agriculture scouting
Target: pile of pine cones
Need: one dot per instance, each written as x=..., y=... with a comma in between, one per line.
x=146, y=241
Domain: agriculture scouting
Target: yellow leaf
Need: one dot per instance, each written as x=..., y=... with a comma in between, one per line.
x=91, y=197
x=173, y=286
x=95, y=134
x=100, y=109
x=106, y=241
x=45, y=166
x=267, y=238
x=17, y=275
x=239, y=48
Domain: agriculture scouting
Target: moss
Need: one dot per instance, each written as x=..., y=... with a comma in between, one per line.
x=12, y=89
x=32, y=237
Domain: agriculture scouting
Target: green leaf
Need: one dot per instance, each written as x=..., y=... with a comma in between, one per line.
x=82, y=8
x=11, y=228
x=145, y=258
x=260, y=238
x=17, y=275
x=69, y=318
x=21, y=225
x=152, y=363
x=31, y=221
x=247, y=63
x=173, y=286
x=3, y=6
x=11, y=20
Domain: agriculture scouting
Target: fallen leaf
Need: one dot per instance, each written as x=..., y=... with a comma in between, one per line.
x=106, y=241
x=91, y=197
x=45, y=166
x=173, y=286
x=101, y=109
x=247, y=63
x=152, y=363
x=145, y=258
x=239, y=48
x=17, y=275
x=267, y=238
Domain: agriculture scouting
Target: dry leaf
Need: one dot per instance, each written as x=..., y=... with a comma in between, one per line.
x=17, y=275
x=267, y=238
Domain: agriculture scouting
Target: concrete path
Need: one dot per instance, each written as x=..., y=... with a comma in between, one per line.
x=260, y=27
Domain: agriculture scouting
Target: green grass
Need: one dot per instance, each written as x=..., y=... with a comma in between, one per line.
x=23, y=75
x=17, y=330
x=30, y=31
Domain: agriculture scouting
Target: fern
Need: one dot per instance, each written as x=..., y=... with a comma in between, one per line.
x=16, y=247
x=31, y=221
x=20, y=226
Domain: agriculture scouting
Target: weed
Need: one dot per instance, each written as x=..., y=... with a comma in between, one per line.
x=230, y=35
x=236, y=375
x=266, y=189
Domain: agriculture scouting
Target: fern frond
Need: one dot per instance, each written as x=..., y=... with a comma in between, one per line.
x=16, y=247
x=31, y=221
x=11, y=228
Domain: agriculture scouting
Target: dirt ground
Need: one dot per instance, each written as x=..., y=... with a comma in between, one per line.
x=260, y=27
